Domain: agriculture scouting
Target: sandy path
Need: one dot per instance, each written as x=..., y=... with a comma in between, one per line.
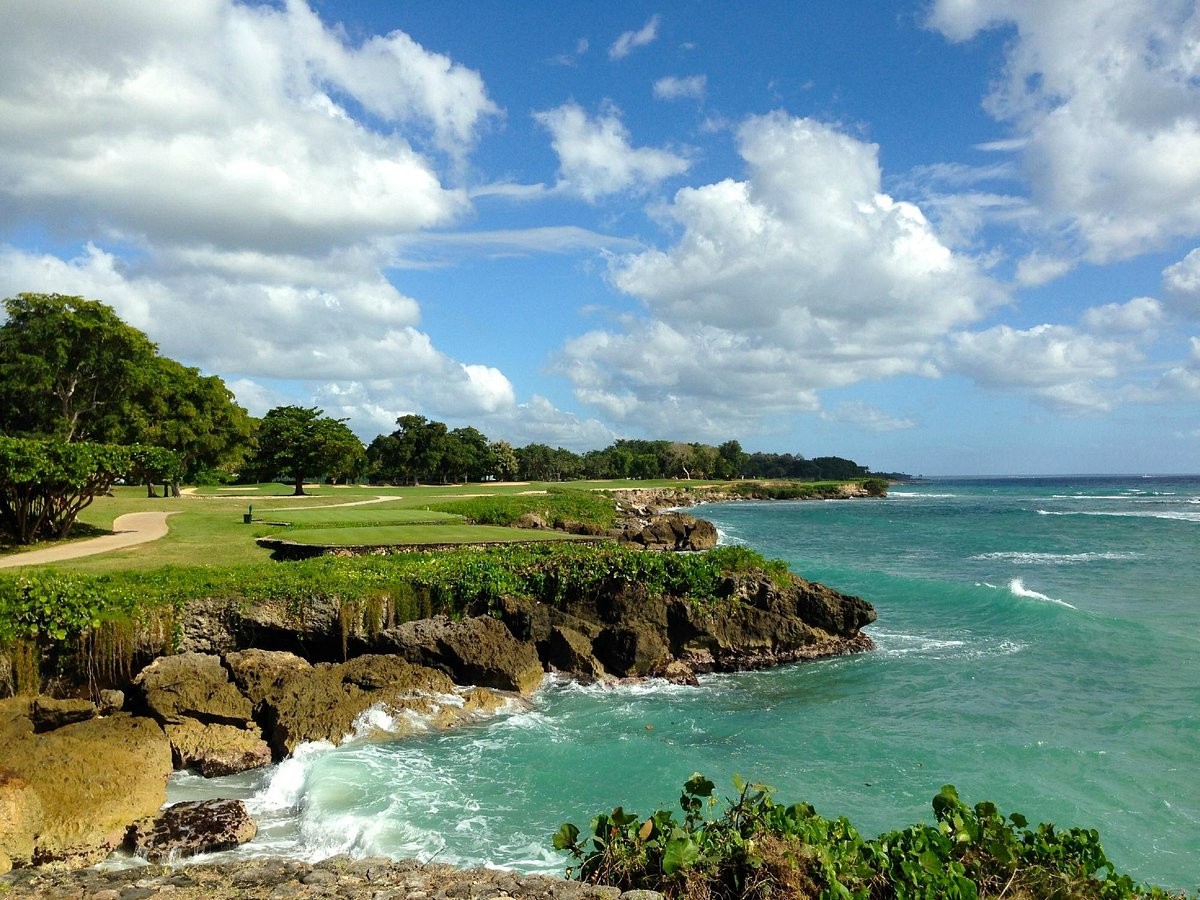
x=128, y=530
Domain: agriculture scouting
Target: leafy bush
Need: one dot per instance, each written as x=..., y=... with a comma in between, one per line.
x=755, y=848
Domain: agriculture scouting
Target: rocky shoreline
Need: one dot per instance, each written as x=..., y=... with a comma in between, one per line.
x=273, y=878
x=79, y=779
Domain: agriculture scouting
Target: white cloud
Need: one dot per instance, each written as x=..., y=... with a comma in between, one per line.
x=1106, y=97
x=672, y=87
x=1058, y=365
x=867, y=416
x=801, y=277
x=1038, y=268
x=595, y=155
x=1182, y=284
x=630, y=40
x=1138, y=317
x=224, y=124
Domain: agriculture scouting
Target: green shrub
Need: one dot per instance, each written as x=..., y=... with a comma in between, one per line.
x=753, y=847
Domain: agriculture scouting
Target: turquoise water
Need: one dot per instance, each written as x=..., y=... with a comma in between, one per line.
x=1038, y=645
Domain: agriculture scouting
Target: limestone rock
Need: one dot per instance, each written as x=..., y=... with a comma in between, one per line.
x=214, y=750
x=323, y=702
x=256, y=671
x=47, y=714
x=20, y=817
x=636, y=647
x=678, y=672
x=90, y=779
x=571, y=651
x=193, y=686
x=479, y=651
x=673, y=532
x=185, y=829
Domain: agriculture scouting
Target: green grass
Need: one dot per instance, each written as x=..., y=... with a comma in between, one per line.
x=406, y=535
x=207, y=528
x=375, y=514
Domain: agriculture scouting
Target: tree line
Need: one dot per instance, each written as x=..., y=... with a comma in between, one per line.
x=86, y=401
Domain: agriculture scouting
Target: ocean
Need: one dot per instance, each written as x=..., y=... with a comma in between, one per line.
x=1038, y=645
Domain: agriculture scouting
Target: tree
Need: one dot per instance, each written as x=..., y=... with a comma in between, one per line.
x=67, y=367
x=467, y=456
x=504, y=461
x=44, y=484
x=733, y=458
x=295, y=442
x=415, y=451
x=191, y=414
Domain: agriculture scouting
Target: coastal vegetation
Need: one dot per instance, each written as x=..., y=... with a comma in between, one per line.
x=750, y=846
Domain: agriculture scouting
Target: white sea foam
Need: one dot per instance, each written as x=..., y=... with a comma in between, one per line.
x=285, y=789
x=1017, y=588
x=1029, y=558
x=896, y=644
x=916, y=495
x=1126, y=514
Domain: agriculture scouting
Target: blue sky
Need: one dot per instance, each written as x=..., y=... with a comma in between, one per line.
x=943, y=237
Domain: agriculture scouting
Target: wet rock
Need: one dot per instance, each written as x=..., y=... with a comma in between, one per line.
x=571, y=651
x=672, y=532
x=678, y=672
x=185, y=829
x=297, y=702
x=479, y=651
x=631, y=649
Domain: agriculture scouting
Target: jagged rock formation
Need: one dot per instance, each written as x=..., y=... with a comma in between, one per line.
x=478, y=651
x=208, y=721
x=626, y=632
x=296, y=702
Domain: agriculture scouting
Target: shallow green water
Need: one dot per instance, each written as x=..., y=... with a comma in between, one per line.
x=1038, y=645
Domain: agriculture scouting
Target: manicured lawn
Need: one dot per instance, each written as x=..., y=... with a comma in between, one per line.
x=207, y=527
x=398, y=535
x=390, y=513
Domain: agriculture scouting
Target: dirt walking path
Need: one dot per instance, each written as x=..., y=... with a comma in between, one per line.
x=128, y=530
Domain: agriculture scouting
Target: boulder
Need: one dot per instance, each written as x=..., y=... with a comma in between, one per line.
x=215, y=750
x=255, y=672
x=672, y=532
x=186, y=829
x=299, y=703
x=69, y=794
x=636, y=647
x=193, y=686
x=479, y=651
x=207, y=719
x=571, y=651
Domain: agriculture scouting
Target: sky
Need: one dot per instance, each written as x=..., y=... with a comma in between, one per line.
x=939, y=236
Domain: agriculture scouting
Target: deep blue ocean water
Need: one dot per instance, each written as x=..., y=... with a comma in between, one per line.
x=1038, y=646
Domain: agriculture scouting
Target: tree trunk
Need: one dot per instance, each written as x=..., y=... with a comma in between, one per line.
x=299, y=492
x=151, y=494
